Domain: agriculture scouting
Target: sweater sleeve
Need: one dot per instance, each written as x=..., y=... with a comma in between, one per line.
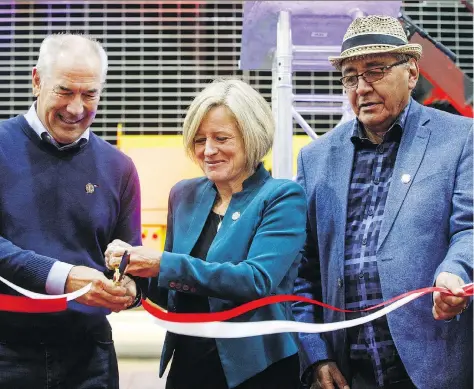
x=24, y=268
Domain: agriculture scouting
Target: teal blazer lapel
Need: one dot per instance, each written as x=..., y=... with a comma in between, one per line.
x=198, y=218
x=410, y=154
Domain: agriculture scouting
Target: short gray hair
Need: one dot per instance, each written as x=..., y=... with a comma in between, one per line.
x=250, y=110
x=55, y=44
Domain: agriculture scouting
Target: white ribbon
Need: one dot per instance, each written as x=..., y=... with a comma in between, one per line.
x=242, y=330
x=39, y=296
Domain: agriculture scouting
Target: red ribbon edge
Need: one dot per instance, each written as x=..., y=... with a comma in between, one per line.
x=28, y=305
x=160, y=313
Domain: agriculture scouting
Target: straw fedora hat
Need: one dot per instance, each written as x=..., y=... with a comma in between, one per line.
x=374, y=35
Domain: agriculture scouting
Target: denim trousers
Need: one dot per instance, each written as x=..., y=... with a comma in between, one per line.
x=61, y=360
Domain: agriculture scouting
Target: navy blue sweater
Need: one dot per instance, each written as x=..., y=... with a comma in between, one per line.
x=46, y=214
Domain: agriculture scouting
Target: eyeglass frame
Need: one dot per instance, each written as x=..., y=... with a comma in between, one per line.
x=382, y=68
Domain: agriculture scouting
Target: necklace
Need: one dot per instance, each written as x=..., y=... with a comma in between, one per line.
x=220, y=221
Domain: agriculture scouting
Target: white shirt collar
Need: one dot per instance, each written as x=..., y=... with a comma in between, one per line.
x=35, y=123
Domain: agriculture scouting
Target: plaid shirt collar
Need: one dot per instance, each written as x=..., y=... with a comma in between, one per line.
x=394, y=133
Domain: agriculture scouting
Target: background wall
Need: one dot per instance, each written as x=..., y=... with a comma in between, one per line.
x=162, y=52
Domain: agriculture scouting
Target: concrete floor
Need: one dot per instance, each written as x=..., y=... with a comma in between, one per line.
x=138, y=342
x=140, y=374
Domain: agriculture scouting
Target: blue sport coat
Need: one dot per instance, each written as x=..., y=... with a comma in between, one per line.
x=427, y=229
x=255, y=254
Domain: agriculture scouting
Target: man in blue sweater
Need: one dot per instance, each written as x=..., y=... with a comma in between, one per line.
x=64, y=195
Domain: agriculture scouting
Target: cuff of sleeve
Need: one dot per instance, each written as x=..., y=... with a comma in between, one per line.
x=138, y=299
x=57, y=277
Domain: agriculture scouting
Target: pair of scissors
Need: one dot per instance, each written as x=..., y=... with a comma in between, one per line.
x=120, y=270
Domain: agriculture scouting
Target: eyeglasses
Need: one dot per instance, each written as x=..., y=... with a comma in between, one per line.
x=369, y=76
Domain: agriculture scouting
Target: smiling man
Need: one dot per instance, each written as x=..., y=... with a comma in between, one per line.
x=390, y=210
x=64, y=195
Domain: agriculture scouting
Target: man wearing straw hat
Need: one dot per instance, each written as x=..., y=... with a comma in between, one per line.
x=389, y=211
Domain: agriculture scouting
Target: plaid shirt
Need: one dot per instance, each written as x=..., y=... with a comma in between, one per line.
x=371, y=345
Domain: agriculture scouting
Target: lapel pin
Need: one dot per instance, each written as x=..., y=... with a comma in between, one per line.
x=90, y=188
x=235, y=215
x=406, y=178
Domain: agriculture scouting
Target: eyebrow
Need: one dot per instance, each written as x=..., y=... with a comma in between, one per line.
x=368, y=66
x=64, y=89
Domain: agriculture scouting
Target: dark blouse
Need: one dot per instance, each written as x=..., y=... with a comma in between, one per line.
x=194, y=351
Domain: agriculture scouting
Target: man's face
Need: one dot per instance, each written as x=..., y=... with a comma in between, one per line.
x=68, y=96
x=377, y=105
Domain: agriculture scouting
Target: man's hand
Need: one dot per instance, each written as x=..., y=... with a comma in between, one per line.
x=103, y=292
x=445, y=307
x=131, y=287
x=328, y=376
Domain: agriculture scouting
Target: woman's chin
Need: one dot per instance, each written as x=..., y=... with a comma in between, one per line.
x=215, y=176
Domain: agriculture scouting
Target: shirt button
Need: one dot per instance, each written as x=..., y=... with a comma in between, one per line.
x=339, y=282
x=364, y=241
x=376, y=181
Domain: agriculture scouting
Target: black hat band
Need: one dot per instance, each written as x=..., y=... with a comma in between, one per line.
x=371, y=39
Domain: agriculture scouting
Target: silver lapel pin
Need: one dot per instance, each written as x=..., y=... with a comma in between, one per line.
x=406, y=178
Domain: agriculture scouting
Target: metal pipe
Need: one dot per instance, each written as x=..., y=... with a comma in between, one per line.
x=320, y=110
x=305, y=126
x=316, y=49
x=320, y=97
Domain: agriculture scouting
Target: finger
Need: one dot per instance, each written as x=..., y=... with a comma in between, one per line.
x=110, y=288
x=98, y=297
x=442, y=305
x=453, y=301
x=326, y=384
x=339, y=379
x=116, y=307
x=114, y=261
x=440, y=314
x=451, y=282
x=108, y=263
x=325, y=379
x=120, y=243
x=113, y=251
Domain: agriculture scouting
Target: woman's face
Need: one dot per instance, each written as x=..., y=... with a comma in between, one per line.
x=219, y=148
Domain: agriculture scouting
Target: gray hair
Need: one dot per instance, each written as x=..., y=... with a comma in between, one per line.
x=55, y=44
x=250, y=110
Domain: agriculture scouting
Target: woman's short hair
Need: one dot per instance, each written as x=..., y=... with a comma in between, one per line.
x=250, y=110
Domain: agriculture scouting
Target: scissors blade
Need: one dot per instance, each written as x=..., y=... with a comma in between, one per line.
x=123, y=264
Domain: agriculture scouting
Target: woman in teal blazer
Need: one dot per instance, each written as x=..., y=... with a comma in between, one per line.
x=233, y=236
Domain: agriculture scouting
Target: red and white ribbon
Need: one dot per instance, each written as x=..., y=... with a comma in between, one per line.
x=211, y=325
x=32, y=302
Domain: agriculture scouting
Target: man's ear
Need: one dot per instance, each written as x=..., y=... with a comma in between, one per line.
x=36, y=82
x=413, y=74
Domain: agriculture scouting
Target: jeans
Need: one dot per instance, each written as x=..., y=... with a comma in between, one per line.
x=85, y=361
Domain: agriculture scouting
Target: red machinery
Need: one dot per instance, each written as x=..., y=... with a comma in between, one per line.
x=447, y=84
